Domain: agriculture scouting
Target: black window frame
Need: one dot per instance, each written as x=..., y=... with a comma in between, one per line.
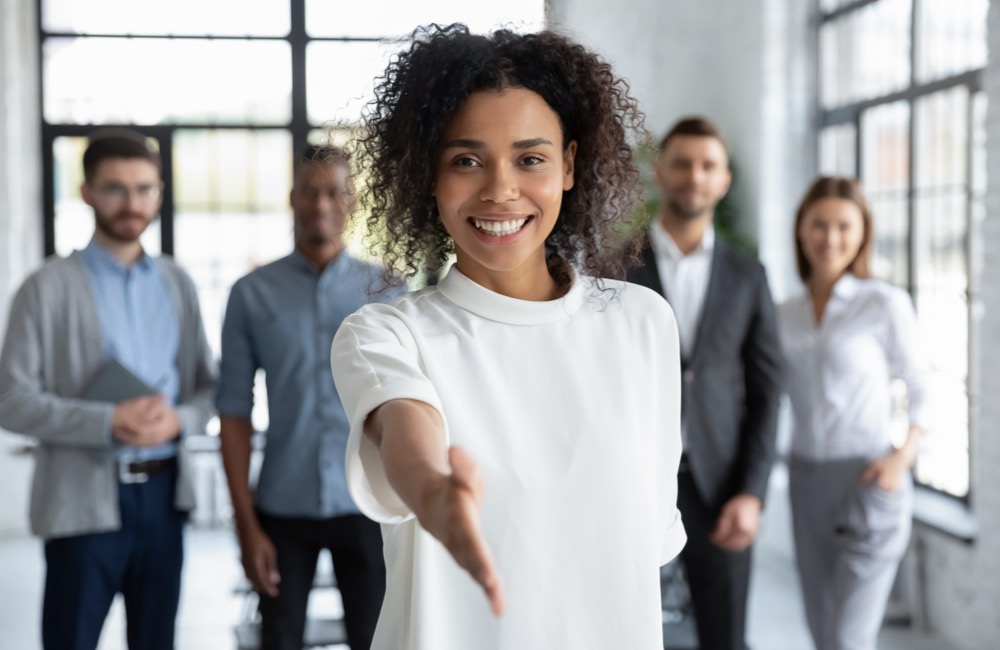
x=298, y=124
x=851, y=114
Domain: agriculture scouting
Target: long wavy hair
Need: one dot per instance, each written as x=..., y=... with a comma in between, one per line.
x=420, y=92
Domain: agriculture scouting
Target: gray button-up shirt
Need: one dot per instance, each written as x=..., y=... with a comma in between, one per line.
x=281, y=318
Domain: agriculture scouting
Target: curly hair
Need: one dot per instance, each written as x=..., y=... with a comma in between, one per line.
x=422, y=89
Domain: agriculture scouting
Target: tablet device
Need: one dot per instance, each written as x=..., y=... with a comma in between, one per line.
x=115, y=383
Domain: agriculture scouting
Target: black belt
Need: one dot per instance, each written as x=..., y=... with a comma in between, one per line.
x=139, y=471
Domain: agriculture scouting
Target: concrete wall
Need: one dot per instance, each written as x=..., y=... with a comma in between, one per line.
x=20, y=212
x=962, y=582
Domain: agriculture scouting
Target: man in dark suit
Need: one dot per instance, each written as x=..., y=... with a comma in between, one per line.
x=731, y=367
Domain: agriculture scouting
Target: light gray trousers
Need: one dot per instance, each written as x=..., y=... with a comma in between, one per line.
x=849, y=540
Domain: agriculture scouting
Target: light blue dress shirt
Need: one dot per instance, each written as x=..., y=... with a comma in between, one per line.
x=139, y=327
x=281, y=318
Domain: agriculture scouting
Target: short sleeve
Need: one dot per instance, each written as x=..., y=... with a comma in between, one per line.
x=375, y=359
x=666, y=409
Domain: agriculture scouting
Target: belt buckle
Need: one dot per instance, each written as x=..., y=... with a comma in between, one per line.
x=130, y=477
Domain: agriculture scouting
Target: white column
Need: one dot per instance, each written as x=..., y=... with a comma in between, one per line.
x=20, y=212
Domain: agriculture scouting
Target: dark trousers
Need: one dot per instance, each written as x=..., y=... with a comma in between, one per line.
x=718, y=579
x=142, y=561
x=355, y=545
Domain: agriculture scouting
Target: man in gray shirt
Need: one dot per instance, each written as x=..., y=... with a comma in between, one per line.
x=112, y=479
x=281, y=318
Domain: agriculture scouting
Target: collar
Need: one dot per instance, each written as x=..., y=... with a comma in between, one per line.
x=847, y=286
x=300, y=261
x=99, y=257
x=664, y=245
x=479, y=300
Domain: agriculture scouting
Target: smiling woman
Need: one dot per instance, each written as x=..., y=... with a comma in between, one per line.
x=499, y=469
x=500, y=191
x=845, y=339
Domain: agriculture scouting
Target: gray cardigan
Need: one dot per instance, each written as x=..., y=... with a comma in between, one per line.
x=52, y=347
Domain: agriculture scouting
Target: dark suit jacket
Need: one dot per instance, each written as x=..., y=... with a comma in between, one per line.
x=731, y=382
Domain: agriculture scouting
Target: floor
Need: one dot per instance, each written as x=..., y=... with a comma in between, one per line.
x=210, y=608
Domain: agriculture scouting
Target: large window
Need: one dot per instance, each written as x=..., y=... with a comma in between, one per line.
x=227, y=90
x=903, y=110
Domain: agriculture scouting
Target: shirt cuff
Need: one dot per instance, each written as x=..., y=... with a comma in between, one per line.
x=366, y=479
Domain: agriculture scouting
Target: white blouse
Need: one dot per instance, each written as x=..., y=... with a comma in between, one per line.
x=571, y=410
x=839, y=371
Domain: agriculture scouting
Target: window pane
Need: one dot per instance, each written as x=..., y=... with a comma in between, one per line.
x=885, y=175
x=951, y=37
x=380, y=18
x=944, y=455
x=941, y=155
x=942, y=280
x=231, y=204
x=837, y=155
x=941, y=223
x=161, y=81
x=183, y=17
x=74, y=222
x=941, y=176
x=340, y=78
x=891, y=254
x=879, y=32
x=941, y=196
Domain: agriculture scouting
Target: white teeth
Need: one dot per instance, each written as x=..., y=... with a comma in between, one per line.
x=499, y=228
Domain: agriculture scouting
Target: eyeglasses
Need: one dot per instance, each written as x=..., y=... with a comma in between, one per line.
x=115, y=193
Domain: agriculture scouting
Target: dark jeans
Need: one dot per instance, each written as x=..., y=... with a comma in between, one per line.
x=355, y=545
x=142, y=561
x=718, y=579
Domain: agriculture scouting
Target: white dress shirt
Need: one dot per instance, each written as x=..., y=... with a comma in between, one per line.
x=684, y=279
x=839, y=371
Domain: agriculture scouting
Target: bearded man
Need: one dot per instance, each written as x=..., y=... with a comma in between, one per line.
x=105, y=363
x=731, y=376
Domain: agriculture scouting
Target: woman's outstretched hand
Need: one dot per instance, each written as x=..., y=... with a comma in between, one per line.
x=441, y=485
x=450, y=512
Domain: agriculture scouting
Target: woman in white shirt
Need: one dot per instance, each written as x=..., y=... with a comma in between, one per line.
x=846, y=339
x=516, y=428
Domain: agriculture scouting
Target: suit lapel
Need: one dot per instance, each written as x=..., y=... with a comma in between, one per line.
x=648, y=275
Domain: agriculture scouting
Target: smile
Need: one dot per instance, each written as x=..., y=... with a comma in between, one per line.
x=495, y=228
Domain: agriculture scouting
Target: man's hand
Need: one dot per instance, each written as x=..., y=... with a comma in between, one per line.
x=450, y=512
x=260, y=562
x=145, y=422
x=738, y=523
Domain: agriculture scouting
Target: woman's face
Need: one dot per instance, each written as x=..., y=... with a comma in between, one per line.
x=501, y=174
x=831, y=234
